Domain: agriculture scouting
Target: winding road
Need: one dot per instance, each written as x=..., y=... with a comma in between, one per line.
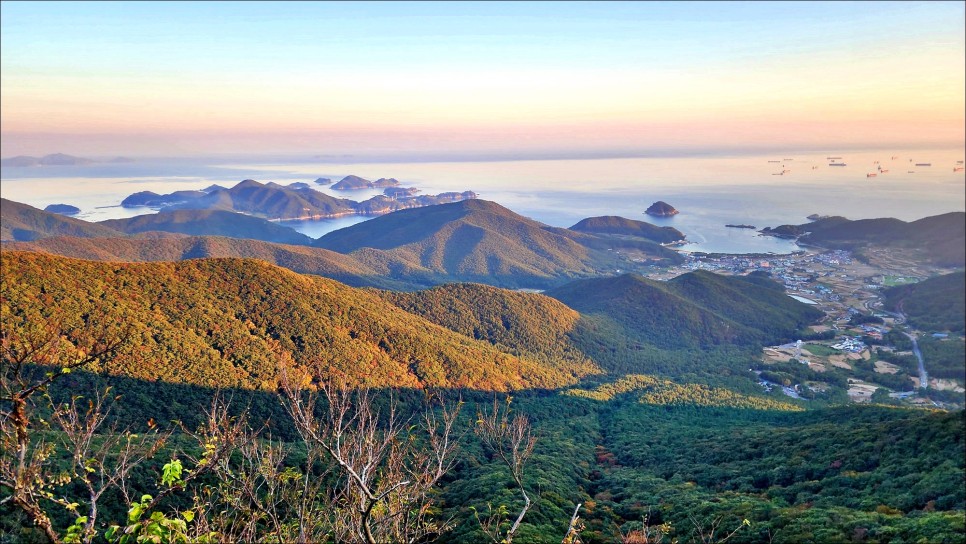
x=923, y=377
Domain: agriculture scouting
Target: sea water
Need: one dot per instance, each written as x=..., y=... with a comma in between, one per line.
x=708, y=191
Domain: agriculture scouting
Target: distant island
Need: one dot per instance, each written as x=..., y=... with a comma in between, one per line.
x=297, y=201
x=55, y=159
x=323, y=181
x=816, y=217
x=396, y=192
x=62, y=209
x=352, y=183
x=661, y=209
x=741, y=226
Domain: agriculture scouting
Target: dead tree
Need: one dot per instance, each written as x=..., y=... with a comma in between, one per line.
x=385, y=466
x=34, y=353
x=512, y=441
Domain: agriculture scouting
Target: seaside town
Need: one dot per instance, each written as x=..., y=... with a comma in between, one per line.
x=854, y=336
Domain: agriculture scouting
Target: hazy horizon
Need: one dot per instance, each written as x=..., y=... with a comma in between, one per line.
x=478, y=79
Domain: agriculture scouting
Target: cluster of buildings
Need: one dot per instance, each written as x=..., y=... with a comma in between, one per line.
x=852, y=345
x=798, y=271
x=873, y=332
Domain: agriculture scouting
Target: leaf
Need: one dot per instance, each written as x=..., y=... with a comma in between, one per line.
x=188, y=515
x=171, y=473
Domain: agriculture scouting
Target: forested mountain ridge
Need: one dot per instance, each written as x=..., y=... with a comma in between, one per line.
x=478, y=241
x=934, y=304
x=269, y=200
x=224, y=315
x=210, y=223
x=611, y=224
x=296, y=201
x=228, y=322
x=24, y=223
x=471, y=240
x=525, y=324
x=174, y=247
x=699, y=309
x=942, y=238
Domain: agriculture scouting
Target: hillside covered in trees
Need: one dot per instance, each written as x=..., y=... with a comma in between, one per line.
x=941, y=239
x=629, y=397
x=935, y=304
x=480, y=241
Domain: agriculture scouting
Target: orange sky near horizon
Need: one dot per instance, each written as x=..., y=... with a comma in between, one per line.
x=883, y=89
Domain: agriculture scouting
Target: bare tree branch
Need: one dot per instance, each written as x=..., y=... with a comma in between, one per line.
x=512, y=442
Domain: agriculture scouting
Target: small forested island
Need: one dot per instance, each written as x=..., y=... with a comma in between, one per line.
x=323, y=181
x=741, y=226
x=351, y=183
x=661, y=209
x=289, y=202
x=400, y=191
x=62, y=209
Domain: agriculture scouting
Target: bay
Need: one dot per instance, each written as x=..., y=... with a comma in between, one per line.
x=709, y=191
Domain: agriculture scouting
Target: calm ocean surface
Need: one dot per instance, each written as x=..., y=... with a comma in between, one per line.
x=708, y=191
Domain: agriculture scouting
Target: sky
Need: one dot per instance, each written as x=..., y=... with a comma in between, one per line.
x=397, y=78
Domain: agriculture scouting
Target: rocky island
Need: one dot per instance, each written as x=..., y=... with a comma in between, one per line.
x=816, y=217
x=661, y=209
x=352, y=183
x=62, y=209
x=741, y=226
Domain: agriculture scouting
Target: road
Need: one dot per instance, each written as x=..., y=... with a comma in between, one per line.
x=923, y=377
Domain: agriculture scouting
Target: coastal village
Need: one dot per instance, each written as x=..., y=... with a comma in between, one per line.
x=843, y=286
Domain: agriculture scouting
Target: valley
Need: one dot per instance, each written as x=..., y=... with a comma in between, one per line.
x=788, y=372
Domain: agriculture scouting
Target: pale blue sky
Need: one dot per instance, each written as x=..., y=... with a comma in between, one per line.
x=71, y=59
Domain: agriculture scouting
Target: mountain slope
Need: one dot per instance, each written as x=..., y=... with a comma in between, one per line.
x=612, y=224
x=174, y=247
x=228, y=322
x=22, y=222
x=626, y=324
x=272, y=201
x=476, y=240
x=935, y=304
x=210, y=222
x=695, y=310
x=524, y=324
x=941, y=238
